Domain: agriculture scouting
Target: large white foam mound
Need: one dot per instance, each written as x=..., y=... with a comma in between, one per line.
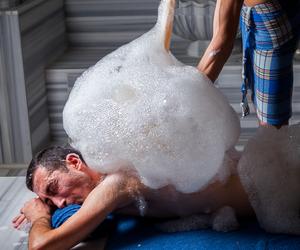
x=141, y=105
x=270, y=172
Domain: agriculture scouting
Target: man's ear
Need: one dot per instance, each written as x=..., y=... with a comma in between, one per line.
x=73, y=161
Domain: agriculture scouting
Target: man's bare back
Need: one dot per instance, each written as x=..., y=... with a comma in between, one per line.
x=168, y=202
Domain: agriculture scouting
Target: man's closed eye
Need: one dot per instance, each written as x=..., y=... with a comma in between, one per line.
x=52, y=188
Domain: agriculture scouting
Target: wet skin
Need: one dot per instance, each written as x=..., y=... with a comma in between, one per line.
x=117, y=192
x=60, y=189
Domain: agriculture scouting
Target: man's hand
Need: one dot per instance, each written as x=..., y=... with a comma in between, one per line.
x=31, y=211
x=19, y=221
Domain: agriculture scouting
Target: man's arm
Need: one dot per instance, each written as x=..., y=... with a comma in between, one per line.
x=226, y=19
x=105, y=198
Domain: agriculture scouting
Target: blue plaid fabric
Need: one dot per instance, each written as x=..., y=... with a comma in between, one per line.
x=269, y=44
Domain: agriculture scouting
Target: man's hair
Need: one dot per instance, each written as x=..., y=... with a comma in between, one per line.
x=51, y=158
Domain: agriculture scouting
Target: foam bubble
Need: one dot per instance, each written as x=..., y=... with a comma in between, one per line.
x=142, y=105
x=224, y=220
x=270, y=172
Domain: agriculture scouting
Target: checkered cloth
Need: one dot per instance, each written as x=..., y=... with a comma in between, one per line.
x=269, y=44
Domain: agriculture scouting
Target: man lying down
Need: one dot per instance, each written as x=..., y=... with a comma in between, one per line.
x=267, y=184
x=60, y=177
x=152, y=129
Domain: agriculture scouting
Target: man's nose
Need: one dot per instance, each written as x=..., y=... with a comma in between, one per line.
x=59, y=202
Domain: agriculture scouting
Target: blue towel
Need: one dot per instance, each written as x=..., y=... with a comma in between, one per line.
x=62, y=214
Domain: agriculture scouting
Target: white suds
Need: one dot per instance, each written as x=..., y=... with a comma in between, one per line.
x=269, y=170
x=141, y=105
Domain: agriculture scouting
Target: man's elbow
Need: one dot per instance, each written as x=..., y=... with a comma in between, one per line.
x=39, y=243
x=35, y=245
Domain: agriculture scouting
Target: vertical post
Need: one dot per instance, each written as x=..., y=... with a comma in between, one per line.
x=14, y=121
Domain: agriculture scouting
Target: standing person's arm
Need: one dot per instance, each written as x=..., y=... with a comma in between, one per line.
x=226, y=19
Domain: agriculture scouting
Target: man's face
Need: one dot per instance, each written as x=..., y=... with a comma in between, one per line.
x=59, y=189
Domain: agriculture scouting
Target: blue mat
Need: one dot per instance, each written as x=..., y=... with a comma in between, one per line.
x=138, y=233
x=133, y=233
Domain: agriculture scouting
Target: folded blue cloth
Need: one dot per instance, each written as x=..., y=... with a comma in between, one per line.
x=62, y=214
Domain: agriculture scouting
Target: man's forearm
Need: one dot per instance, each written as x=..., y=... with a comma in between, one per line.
x=43, y=237
x=38, y=233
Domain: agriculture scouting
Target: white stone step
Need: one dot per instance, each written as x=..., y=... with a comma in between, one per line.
x=110, y=7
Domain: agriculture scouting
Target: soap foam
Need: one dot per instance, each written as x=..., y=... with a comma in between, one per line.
x=140, y=104
x=270, y=172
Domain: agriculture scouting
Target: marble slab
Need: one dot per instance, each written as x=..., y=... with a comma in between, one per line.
x=5, y=4
x=32, y=36
x=13, y=194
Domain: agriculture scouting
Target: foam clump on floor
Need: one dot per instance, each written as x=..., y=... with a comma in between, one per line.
x=141, y=105
x=270, y=172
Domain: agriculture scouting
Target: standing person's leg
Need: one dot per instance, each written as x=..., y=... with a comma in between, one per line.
x=273, y=87
x=273, y=52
